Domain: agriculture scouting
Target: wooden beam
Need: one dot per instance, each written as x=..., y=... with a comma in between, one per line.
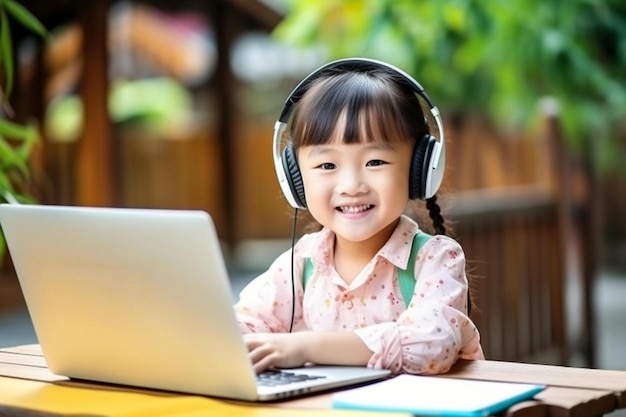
x=226, y=28
x=257, y=12
x=94, y=159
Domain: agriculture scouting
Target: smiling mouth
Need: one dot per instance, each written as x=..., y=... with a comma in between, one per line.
x=355, y=209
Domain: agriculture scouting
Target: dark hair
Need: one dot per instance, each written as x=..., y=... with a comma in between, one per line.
x=379, y=105
x=376, y=102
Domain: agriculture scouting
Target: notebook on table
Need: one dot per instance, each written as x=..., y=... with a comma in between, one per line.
x=141, y=297
x=436, y=396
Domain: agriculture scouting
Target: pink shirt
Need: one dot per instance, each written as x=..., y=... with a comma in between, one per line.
x=425, y=338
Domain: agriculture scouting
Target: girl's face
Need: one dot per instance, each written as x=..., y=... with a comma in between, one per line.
x=356, y=190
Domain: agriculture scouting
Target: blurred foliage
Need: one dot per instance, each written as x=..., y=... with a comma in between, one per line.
x=16, y=140
x=161, y=106
x=499, y=56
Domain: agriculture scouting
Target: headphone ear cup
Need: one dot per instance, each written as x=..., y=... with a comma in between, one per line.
x=294, y=178
x=418, y=176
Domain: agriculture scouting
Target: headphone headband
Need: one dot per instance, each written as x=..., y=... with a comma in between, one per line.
x=347, y=64
x=433, y=173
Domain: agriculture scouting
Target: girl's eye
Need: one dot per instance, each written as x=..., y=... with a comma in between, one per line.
x=327, y=166
x=375, y=163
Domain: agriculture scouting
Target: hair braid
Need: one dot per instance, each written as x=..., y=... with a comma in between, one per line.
x=434, y=211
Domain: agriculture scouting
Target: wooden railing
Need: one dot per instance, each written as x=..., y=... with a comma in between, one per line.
x=522, y=212
x=514, y=249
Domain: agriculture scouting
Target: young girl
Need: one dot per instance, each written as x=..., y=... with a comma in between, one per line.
x=359, y=150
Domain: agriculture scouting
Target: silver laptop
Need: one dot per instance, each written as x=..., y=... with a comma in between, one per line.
x=141, y=297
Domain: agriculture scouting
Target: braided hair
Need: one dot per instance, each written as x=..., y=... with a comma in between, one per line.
x=434, y=212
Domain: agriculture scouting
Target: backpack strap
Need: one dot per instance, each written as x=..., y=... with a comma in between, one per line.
x=406, y=278
x=308, y=271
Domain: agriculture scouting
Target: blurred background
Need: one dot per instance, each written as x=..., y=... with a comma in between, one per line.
x=161, y=104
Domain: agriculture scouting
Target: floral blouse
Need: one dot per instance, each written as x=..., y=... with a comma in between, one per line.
x=426, y=337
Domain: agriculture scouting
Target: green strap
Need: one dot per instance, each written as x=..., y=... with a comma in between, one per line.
x=406, y=278
x=308, y=271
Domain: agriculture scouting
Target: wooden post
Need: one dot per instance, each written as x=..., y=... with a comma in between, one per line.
x=95, y=177
x=226, y=28
x=578, y=221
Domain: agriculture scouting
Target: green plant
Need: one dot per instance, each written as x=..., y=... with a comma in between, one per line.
x=497, y=56
x=16, y=140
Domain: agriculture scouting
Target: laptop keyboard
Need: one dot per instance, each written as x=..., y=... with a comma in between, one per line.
x=274, y=378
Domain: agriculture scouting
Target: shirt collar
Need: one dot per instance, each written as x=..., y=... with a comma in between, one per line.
x=396, y=250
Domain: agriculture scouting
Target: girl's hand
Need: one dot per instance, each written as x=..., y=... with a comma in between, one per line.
x=276, y=350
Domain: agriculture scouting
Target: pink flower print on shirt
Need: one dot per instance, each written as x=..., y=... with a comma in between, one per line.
x=392, y=298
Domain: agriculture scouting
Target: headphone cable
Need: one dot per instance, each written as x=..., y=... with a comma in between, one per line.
x=293, y=282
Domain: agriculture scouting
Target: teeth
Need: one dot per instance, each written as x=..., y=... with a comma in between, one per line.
x=355, y=209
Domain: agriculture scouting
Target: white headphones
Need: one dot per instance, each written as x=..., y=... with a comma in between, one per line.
x=429, y=156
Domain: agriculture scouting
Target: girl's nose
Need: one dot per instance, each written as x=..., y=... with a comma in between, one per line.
x=351, y=182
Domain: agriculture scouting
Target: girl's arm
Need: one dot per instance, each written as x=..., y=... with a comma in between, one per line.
x=265, y=304
x=434, y=331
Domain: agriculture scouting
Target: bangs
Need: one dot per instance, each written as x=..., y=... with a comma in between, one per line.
x=357, y=107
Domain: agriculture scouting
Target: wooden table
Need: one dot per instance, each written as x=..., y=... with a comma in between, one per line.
x=570, y=392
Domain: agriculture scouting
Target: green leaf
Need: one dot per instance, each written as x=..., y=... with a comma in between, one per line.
x=6, y=52
x=13, y=130
x=10, y=159
x=5, y=186
x=23, y=16
x=7, y=155
x=25, y=149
